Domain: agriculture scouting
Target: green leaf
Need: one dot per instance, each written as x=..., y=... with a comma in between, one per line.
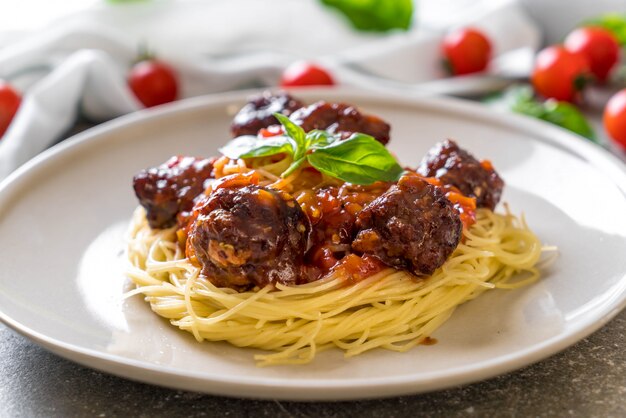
x=296, y=133
x=567, y=116
x=293, y=167
x=375, y=15
x=249, y=146
x=521, y=99
x=613, y=22
x=317, y=138
x=359, y=159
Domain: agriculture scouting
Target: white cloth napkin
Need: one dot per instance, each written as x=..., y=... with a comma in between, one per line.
x=79, y=64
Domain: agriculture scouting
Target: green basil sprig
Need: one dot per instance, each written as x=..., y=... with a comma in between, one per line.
x=521, y=99
x=360, y=159
x=375, y=15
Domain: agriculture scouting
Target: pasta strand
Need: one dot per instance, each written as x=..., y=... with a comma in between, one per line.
x=392, y=309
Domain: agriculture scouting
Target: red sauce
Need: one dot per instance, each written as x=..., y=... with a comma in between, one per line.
x=332, y=212
x=234, y=181
x=322, y=257
x=273, y=130
x=486, y=164
x=466, y=206
x=356, y=268
x=429, y=341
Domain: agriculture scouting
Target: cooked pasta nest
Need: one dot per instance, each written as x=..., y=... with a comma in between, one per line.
x=392, y=309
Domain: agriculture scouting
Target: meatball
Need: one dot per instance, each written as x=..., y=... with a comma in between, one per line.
x=457, y=167
x=259, y=112
x=170, y=188
x=412, y=226
x=340, y=118
x=249, y=236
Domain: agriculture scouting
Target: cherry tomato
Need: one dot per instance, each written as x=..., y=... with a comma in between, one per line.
x=10, y=101
x=153, y=82
x=466, y=51
x=598, y=45
x=615, y=118
x=305, y=74
x=560, y=74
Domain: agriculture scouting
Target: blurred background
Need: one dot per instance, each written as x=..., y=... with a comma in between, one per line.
x=69, y=65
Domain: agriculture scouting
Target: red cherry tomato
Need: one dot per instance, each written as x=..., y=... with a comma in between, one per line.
x=560, y=74
x=615, y=118
x=153, y=82
x=305, y=74
x=10, y=101
x=598, y=45
x=466, y=51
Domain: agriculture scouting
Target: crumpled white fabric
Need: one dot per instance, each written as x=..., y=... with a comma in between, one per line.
x=79, y=65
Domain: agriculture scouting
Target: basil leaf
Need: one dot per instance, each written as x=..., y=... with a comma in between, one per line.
x=294, y=132
x=567, y=116
x=521, y=99
x=293, y=167
x=359, y=159
x=613, y=22
x=317, y=138
x=375, y=15
x=249, y=146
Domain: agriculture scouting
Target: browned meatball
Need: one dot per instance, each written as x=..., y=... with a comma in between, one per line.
x=340, y=118
x=453, y=165
x=411, y=226
x=259, y=112
x=170, y=188
x=249, y=236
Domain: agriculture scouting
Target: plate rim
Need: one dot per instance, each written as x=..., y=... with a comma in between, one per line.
x=329, y=389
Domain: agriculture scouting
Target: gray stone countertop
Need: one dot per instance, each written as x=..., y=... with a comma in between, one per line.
x=586, y=380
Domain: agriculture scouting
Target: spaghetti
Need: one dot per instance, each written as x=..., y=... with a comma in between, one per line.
x=390, y=309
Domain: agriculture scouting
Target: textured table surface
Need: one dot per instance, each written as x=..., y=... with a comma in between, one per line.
x=586, y=380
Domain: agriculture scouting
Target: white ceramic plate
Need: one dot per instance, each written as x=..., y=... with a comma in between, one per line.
x=64, y=214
